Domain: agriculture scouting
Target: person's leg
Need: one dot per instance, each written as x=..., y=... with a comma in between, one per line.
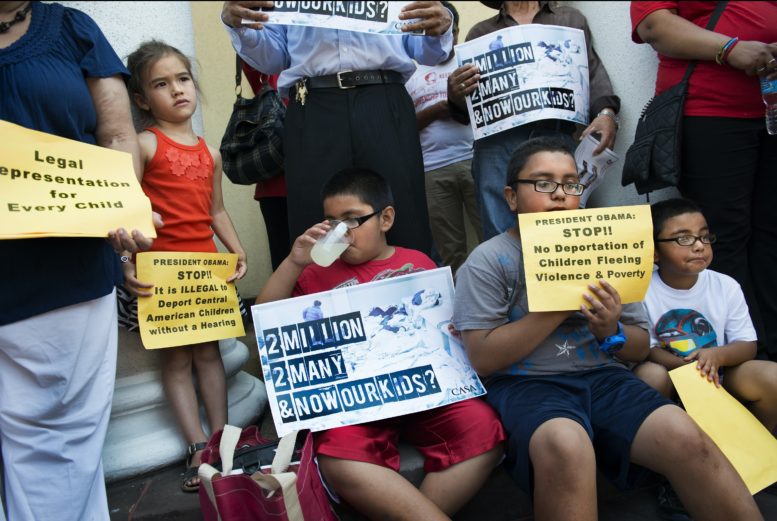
x=316, y=144
x=212, y=383
x=385, y=138
x=763, y=243
x=468, y=195
x=720, y=161
x=377, y=492
x=489, y=170
x=755, y=383
x=445, y=215
x=276, y=221
x=656, y=376
x=670, y=443
x=452, y=488
x=179, y=389
x=461, y=444
x=57, y=372
x=564, y=471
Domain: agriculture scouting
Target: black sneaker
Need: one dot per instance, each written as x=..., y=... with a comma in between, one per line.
x=670, y=508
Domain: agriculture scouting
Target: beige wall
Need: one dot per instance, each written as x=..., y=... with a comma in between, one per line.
x=216, y=61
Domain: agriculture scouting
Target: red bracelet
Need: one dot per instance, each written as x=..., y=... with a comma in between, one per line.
x=728, y=50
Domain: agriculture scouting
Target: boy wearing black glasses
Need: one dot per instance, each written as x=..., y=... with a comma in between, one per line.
x=461, y=442
x=699, y=315
x=567, y=403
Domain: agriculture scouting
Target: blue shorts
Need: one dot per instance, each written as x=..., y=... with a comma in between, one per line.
x=610, y=403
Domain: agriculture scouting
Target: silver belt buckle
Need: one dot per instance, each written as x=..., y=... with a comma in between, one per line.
x=340, y=80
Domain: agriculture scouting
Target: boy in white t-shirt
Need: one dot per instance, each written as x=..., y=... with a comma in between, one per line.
x=699, y=315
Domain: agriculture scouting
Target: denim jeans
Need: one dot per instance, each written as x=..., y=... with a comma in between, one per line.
x=489, y=170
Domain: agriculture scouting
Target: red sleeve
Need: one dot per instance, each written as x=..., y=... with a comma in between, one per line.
x=640, y=10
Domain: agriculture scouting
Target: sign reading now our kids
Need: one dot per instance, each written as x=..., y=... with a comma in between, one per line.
x=56, y=187
x=527, y=73
x=362, y=353
x=564, y=252
x=192, y=302
x=370, y=17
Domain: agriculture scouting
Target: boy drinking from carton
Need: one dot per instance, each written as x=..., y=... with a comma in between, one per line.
x=461, y=442
x=566, y=402
x=699, y=315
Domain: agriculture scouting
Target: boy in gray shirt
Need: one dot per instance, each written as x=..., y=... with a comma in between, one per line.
x=566, y=402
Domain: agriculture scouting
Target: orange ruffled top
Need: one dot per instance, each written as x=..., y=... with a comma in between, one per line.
x=179, y=182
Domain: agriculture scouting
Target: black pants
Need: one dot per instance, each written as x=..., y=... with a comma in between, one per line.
x=277, y=223
x=730, y=171
x=370, y=126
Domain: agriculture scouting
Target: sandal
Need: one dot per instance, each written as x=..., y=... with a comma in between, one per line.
x=187, y=485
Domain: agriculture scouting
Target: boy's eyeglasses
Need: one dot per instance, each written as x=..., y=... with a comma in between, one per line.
x=354, y=222
x=548, y=187
x=690, y=240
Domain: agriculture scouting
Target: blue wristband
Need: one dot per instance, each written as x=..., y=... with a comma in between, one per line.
x=614, y=343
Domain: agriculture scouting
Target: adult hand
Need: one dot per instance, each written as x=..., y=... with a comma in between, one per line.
x=233, y=13
x=435, y=19
x=122, y=241
x=707, y=362
x=136, y=287
x=241, y=268
x=461, y=83
x=605, y=309
x=607, y=130
x=754, y=58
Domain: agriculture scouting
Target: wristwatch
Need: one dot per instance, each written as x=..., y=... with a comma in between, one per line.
x=611, y=114
x=614, y=343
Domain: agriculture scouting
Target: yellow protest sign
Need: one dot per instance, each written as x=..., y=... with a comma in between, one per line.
x=747, y=444
x=56, y=187
x=192, y=302
x=564, y=252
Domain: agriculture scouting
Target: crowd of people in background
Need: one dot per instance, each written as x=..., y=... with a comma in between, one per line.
x=394, y=157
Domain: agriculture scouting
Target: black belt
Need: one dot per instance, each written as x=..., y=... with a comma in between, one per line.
x=351, y=79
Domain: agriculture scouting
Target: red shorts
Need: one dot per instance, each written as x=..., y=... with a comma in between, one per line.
x=444, y=436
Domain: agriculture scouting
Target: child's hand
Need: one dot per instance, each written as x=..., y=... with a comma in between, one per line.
x=137, y=288
x=300, y=250
x=605, y=310
x=241, y=268
x=707, y=362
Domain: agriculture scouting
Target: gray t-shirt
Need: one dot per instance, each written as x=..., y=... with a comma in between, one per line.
x=491, y=291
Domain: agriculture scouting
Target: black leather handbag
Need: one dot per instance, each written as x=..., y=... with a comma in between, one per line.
x=252, y=146
x=654, y=160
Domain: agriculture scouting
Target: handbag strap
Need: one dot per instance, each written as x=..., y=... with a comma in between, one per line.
x=284, y=452
x=206, y=474
x=229, y=438
x=719, y=7
x=238, y=75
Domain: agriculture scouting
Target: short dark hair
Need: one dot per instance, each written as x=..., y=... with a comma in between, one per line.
x=533, y=146
x=662, y=211
x=139, y=62
x=369, y=186
x=453, y=11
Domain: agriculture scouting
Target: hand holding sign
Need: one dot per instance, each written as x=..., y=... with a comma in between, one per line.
x=434, y=19
x=235, y=14
x=605, y=310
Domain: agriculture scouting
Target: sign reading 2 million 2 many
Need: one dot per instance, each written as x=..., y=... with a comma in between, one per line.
x=362, y=353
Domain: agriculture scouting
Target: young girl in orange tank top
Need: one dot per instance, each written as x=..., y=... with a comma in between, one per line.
x=182, y=177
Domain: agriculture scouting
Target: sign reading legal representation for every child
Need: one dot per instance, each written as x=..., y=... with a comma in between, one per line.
x=527, y=73
x=367, y=17
x=192, y=301
x=56, y=187
x=362, y=353
x=564, y=252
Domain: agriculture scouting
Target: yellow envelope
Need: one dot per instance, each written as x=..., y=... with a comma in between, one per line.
x=56, y=187
x=750, y=448
x=564, y=252
x=192, y=302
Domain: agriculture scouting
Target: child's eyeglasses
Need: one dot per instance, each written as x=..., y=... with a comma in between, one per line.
x=354, y=222
x=690, y=240
x=546, y=186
